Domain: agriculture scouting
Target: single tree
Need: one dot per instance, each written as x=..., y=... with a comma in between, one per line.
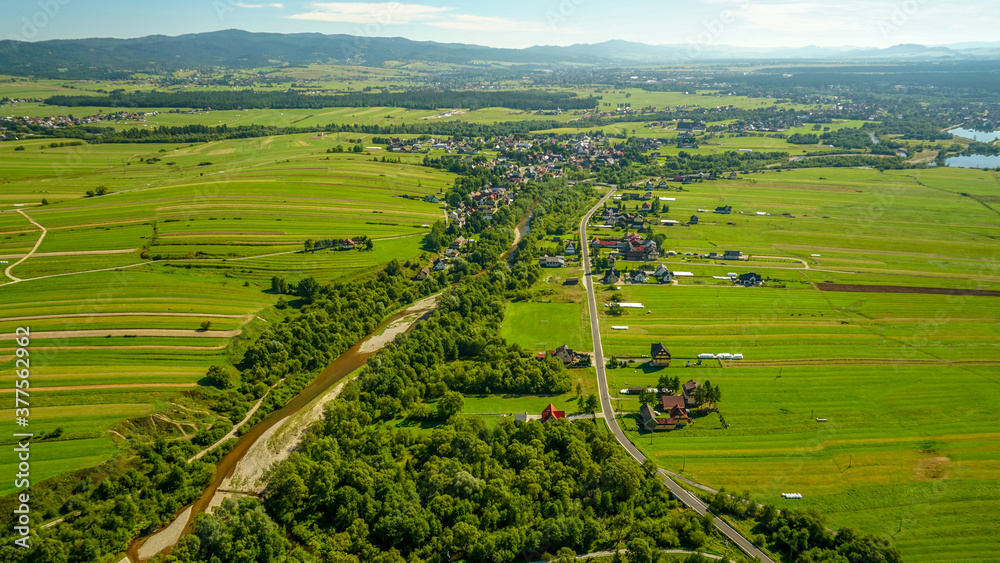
x=221, y=377
x=450, y=404
x=308, y=289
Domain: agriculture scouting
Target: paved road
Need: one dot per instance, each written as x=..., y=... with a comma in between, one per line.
x=679, y=492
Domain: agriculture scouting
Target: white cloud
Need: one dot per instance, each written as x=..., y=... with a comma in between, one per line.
x=468, y=22
x=273, y=5
x=362, y=12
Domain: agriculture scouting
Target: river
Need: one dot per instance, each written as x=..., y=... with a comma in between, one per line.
x=973, y=135
x=973, y=161
x=352, y=359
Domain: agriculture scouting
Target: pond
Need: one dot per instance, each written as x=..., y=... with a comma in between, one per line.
x=974, y=161
x=981, y=136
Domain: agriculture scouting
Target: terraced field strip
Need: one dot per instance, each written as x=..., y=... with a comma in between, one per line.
x=906, y=289
x=42, y=335
x=110, y=386
x=125, y=314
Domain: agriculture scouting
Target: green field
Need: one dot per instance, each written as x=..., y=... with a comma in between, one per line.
x=897, y=456
x=546, y=326
x=116, y=293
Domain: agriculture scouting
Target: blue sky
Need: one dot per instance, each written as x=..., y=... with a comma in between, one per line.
x=522, y=23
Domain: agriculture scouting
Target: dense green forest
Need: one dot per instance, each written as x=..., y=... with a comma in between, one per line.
x=415, y=99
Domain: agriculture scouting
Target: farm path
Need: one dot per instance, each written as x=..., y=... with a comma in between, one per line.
x=51, y=523
x=177, y=424
x=804, y=263
x=146, y=262
x=232, y=433
x=679, y=492
x=38, y=243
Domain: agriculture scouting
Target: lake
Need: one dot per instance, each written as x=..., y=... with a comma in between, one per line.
x=973, y=161
x=981, y=136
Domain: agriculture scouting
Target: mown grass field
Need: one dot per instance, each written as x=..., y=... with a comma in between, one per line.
x=898, y=455
x=119, y=286
x=546, y=326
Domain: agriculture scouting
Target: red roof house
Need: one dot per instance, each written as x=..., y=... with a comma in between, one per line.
x=551, y=412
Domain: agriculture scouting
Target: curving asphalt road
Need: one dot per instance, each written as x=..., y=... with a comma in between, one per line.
x=598, y=361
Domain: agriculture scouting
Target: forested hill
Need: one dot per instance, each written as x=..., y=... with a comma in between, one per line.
x=118, y=58
x=86, y=58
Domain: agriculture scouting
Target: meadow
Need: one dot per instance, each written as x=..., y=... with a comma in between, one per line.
x=546, y=326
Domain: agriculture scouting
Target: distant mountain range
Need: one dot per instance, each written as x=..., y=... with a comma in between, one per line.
x=241, y=49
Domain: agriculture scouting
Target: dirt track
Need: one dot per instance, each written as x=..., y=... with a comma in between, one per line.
x=905, y=289
x=7, y=272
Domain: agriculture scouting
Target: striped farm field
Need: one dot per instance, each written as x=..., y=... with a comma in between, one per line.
x=895, y=453
x=116, y=292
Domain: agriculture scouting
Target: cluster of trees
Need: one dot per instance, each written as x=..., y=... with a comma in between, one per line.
x=250, y=99
x=358, y=491
x=237, y=531
x=918, y=125
x=340, y=148
x=361, y=242
x=143, y=495
x=803, y=139
x=708, y=394
x=164, y=133
x=459, y=348
x=852, y=161
x=803, y=535
x=98, y=191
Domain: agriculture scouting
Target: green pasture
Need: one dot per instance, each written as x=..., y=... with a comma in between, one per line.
x=782, y=325
x=49, y=459
x=864, y=219
x=875, y=461
x=893, y=458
